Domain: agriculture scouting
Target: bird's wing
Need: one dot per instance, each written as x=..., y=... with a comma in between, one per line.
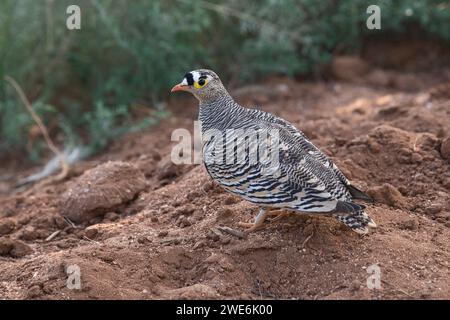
x=302, y=140
x=306, y=166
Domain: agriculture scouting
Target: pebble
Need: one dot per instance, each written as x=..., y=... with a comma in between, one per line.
x=6, y=227
x=91, y=233
x=34, y=292
x=20, y=250
x=29, y=233
x=230, y=200
x=14, y=248
x=433, y=209
x=416, y=158
x=186, y=211
x=213, y=236
x=410, y=225
x=163, y=233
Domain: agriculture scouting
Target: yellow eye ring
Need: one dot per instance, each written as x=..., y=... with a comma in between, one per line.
x=200, y=83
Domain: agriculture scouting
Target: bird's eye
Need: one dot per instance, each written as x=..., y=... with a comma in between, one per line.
x=200, y=83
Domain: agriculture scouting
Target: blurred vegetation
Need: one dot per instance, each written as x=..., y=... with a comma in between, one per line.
x=93, y=84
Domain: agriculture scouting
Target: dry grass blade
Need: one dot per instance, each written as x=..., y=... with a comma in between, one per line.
x=53, y=235
x=236, y=233
x=307, y=239
x=44, y=131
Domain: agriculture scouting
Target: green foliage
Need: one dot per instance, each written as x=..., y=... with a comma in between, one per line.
x=85, y=82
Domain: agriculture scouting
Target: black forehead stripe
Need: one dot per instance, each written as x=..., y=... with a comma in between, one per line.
x=189, y=78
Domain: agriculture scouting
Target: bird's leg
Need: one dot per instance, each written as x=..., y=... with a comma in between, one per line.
x=259, y=221
x=279, y=214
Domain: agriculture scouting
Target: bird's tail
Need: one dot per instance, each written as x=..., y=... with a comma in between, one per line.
x=354, y=217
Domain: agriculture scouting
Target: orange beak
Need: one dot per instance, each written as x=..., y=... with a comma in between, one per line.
x=179, y=87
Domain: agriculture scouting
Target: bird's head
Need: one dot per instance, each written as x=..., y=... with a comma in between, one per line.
x=204, y=84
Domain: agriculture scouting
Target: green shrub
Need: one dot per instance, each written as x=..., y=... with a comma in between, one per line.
x=84, y=83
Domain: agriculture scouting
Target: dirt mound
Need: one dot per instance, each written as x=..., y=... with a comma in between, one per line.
x=166, y=237
x=101, y=189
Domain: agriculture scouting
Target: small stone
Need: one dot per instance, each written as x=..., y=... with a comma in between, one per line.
x=163, y=233
x=63, y=245
x=6, y=246
x=156, y=156
x=154, y=219
x=24, y=220
x=208, y=186
x=91, y=233
x=29, y=234
x=59, y=222
x=230, y=200
x=186, y=222
x=14, y=248
x=410, y=225
x=433, y=209
x=186, y=211
x=143, y=240
x=34, y=292
x=403, y=190
x=20, y=250
x=213, y=236
x=416, y=158
x=6, y=227
x=374, y=146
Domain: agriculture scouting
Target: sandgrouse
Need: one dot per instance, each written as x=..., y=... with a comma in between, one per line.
x=305, y=179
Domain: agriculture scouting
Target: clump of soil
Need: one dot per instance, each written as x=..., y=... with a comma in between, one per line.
x=14, y=248
x=101, y=189
x=387, y=194
x=167, y=238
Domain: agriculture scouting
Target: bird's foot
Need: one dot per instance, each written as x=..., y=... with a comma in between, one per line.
x=261, y=218
x=250, y=227
x=279, y=214
x=258, y=224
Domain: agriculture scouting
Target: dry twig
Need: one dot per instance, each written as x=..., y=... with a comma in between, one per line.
x=307, y=239
x=44, y=131
x=233, y=232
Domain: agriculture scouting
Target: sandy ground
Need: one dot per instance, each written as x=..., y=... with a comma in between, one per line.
x=389, y=136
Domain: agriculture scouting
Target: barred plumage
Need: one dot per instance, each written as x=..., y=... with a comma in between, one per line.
x=305, y=179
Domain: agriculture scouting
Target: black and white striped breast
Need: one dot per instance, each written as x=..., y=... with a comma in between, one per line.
x=305, y=179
